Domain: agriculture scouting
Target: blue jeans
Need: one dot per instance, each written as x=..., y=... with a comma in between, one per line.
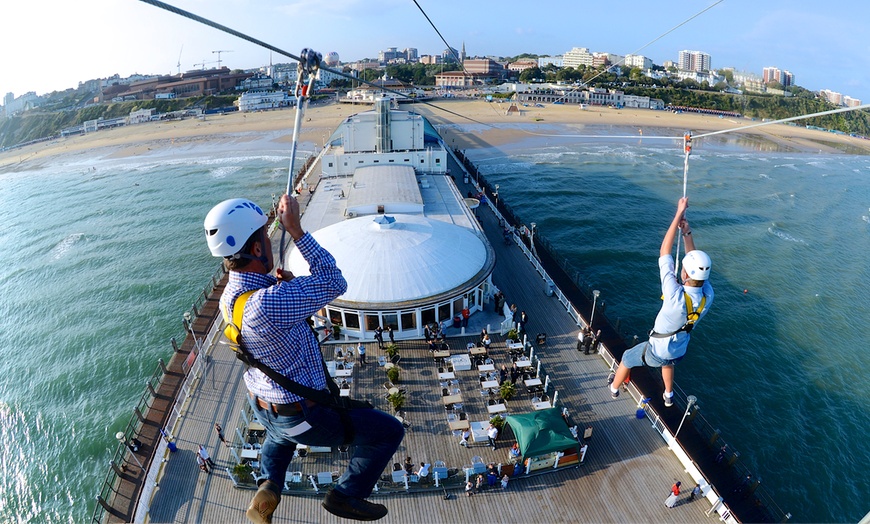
x=377, y=435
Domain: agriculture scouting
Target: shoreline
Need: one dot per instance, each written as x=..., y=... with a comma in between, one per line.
x=320, y=121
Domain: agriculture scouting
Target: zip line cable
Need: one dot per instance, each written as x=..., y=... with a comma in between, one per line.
x=452, y=51
x=789, y=119
x=243, y=36
x=687, y=147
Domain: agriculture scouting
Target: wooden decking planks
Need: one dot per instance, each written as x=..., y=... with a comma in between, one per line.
x=625, y=478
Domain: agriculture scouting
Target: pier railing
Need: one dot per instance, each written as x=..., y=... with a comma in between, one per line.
x=123, y=458
x=557, y=272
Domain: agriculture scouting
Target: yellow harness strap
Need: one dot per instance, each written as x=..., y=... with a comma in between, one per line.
x=691, y=314
x=234, y=325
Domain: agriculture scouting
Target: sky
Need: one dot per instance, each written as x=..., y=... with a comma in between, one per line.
x=48, y=45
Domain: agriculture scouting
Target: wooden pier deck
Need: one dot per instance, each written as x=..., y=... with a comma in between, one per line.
x=626, y=476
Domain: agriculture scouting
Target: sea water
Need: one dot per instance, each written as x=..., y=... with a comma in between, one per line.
x=780, y=364
x=101, y=258
x=102, y=255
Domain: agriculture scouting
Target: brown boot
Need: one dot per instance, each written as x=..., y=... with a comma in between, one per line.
x=264, y=503
x=347, y=507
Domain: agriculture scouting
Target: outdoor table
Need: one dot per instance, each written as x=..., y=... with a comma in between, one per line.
x=393, y=391
x=532, y=382
x=478, y=431
x=477, y=351
x=461, y=362
x=451, y=399
x=344, y=392
x=486, y=367
x=458, y=424
x=255, y=426
x=441, y=353
x=523, y=363
x=250, y=454
x=541, y=405
x=343, y=372
x=489, y=384
x=496, y=408
x=515, y=346
x=449, y=375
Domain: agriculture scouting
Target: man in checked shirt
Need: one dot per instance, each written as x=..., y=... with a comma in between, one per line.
x=275, y=332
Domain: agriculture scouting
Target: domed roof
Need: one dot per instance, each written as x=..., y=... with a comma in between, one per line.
x=400, y=258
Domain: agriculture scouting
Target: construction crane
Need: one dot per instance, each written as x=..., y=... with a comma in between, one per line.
x=219, y=51
x=203, y=64
x=179, y=59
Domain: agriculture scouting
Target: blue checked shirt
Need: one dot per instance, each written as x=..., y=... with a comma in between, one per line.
x=274, y=327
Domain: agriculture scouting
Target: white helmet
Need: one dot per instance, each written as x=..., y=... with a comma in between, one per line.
x=230, y=224
x=697, y=264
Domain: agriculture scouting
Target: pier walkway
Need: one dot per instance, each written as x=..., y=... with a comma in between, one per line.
x=626, y=476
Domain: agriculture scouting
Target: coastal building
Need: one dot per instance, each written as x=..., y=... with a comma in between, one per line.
x=694, y=61
x=258, y=81
x=191, y=83
x=832, y=96
x=576, y=57
x=773, y=74
x=483, y=66
x=638, y=61
x=362, y=65
x=642, y=102
x=450, y=55
x=568, y=95
x=606, y=59
x=141, y=115
x=848, y=101
x=14, y=105
x=410, y=248
x=452, y=79
x=522, y=65
x=557, y=61
x=262, y=99
x=369, y=93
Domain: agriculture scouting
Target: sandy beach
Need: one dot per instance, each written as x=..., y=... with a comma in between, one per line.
x=486, y=125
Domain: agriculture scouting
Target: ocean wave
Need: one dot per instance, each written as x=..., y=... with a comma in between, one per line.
x=63, y=247
x=224, y=171
x=785, y=236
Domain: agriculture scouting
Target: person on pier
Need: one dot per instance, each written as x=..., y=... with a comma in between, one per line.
x=684, y=305
x=280, y=347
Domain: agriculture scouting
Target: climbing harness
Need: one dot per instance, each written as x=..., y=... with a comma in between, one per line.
x=331, y=399
x=692, y=316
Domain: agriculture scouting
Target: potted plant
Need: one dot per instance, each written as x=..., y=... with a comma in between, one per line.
x=392, y=350
x=513, y=335
x=507, y=390
x=393, y=374
x=336, y=330
x=397, y=400
x=243, y=473
x=498, y=421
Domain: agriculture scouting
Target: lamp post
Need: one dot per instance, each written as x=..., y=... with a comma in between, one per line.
x=120, y=436
x=189, y=323
x=692, y=399
x=595, y=294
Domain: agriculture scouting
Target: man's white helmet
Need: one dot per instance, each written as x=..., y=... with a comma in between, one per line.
x=697, y=265
x=230, y=224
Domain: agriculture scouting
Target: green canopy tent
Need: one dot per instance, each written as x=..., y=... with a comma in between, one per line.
x=541, y=432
